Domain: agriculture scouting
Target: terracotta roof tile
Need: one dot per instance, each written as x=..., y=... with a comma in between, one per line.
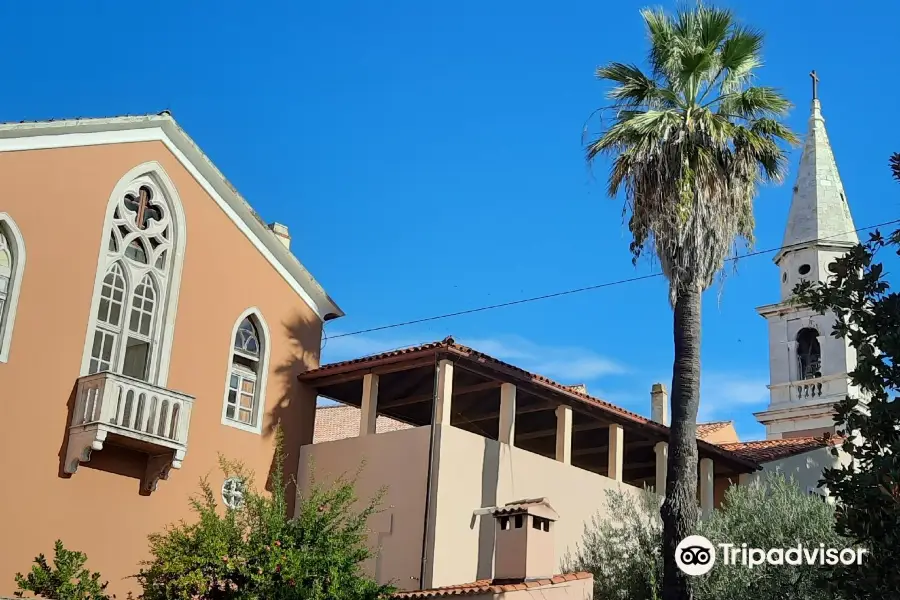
x=704, y=429
x=342, y=421
x=768, y=450
x=485, y=586
x=449, y=344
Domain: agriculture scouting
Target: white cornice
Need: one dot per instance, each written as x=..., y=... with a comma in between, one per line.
x=795, y=412
x=18, y=137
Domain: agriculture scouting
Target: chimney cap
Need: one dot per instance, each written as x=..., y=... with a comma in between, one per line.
x=539, y=507
x=658, y=387
x=278, y=228
x=579, y=388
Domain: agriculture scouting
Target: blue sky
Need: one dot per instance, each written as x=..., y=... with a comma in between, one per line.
x=427, y=159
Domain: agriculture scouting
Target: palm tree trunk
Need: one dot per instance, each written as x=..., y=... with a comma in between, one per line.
x=679, y=510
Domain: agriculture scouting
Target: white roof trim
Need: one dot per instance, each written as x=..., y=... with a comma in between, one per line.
x=18, y=137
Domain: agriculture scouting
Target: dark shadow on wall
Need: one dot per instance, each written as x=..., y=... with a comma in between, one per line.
x=295, y=411
x=490, y=475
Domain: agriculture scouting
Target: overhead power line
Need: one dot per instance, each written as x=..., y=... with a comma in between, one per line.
x=589, y=288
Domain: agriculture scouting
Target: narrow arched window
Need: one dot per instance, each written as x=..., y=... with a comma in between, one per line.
x=141, y=265
x=12, y=265
x=809, y=354
x=244, y=395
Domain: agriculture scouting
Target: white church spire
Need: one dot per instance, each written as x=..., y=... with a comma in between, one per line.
x=819, y=212
x=808, y=367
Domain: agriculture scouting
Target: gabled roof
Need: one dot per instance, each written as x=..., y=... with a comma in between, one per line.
x=66, y=133
x=763, y=451
x=705, y=429
x=449, y=347
x=487, y=586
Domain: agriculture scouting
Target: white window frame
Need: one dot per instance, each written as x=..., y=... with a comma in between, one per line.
x=16, y=245
x=154, y=176
x=262, y=330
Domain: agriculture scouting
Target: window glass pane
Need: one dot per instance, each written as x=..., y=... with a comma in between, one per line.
x=247, y=339
x=247, y=386
x=245, y=416
x=229, y=411
x=115, y=313
x=111, y=293
x=101, y=351
x=246, y=401
x=234, y=381
x=103, y=310
x=135, y=251
x=232, y=397
x=4, y=283
x=106, y=353
x=142, y=307
x=161, y=260
x=113, y=244
x=137, y=353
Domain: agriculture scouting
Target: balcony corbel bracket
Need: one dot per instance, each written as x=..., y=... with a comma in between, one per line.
x=159, y=466
x=80, y=446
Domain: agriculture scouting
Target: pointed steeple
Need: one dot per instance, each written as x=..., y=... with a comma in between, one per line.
x=819, y=214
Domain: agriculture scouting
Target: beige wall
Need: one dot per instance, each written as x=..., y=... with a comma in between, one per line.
x=58, y=199
x=475, y=472
x=806, y=468
x=724, y=435
x=398, y=461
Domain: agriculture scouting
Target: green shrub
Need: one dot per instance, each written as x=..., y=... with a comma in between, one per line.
x=624, y=550
x=67, y=579
x=255, y=552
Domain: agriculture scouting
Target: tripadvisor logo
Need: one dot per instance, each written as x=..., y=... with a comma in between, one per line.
x=696, y=555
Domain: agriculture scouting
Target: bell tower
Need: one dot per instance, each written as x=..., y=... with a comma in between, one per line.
x=808, y=368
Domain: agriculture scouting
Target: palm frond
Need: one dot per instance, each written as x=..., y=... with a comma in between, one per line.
x=754, y=103
x=691, y=141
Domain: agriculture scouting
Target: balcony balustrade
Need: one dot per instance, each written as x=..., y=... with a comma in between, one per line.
x=123, y=411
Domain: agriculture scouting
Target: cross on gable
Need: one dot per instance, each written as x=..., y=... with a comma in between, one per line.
x=815, y=84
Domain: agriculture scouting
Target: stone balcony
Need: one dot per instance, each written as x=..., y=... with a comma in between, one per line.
x=122, y=411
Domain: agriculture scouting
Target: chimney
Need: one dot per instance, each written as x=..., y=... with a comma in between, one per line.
x=281, y=232
x=580, y=388
x=659, y=404
x=524, y=547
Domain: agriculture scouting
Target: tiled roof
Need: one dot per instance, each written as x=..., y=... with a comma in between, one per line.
x=448, y=344
x=704, y=429
x=342, y=421
x=768, y=450
x=486, y=586
x=521, y=505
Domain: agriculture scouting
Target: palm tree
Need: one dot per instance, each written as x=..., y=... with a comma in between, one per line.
x=690, y=140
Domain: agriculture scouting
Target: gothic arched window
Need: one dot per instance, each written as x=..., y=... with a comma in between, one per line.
x=12, y=264
x=140, y=264
x=809, y=354
x=245, y=391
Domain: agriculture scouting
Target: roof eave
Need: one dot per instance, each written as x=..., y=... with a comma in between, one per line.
x=440, y=349
x=325, y=308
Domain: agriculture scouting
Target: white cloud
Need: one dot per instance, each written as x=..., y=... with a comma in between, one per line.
x=731, y=396
x=568, y=364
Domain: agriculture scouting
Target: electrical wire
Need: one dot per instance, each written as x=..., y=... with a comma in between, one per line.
x=590, y=287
